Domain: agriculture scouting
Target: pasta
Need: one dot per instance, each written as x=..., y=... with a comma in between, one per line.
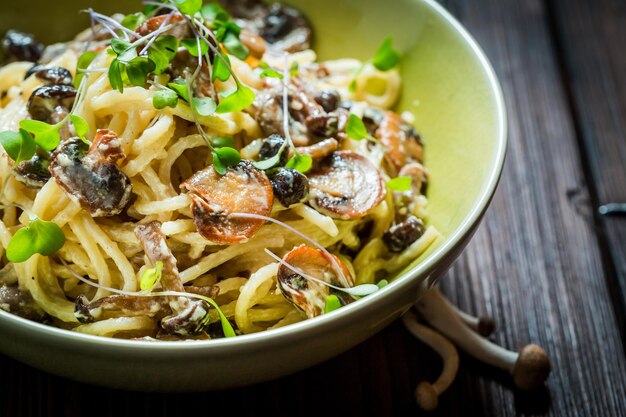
x=172, y=174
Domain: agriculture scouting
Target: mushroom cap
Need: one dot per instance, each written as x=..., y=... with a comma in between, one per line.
x=486, y=326
x=426, y=396
x=532, y=367
x=346, y=186
x=242, y=189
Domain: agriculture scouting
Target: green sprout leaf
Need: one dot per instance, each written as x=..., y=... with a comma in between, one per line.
x=355, y=128
x=227, y=328
x=270, y=73
x=214, y=12
x=151, y=276
x=165, y=98
x=223, y=142
x=162, y=51
x=115, y=75
x=188, y=7
x=400, y=184
x=39, y=236
x=80, y=126
x=204, y=106
x=220, y=69
x=232, y=43
x=386, y=57
x=224, y=158
x=293, y=71
x=299, y=162
x=131, y=21
x=238, y=100
x=382, y=283
x=46, y=136
x=82, y=64
x=191, y=45
x=180, y=87
x=332, y=304
x=20, y=146
x=138, y=69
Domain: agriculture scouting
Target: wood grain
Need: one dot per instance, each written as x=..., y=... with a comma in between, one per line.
x=537, y=265
x=594, y=68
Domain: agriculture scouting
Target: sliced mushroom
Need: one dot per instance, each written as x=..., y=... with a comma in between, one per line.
x=307, y=295
x=20, y=303
x=328, y=99
x=289, y=186
x=46, y=100
x=54, y=76
x=283, y=27
x=269, y=113
x=270, y=146
x=123, y=305
x=346, y=186
x=402, y=143
x=34, y=173
x=243, y=189
x=90, y=174
x=20, y=46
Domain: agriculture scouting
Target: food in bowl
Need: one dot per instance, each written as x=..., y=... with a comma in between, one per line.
x=192, y=172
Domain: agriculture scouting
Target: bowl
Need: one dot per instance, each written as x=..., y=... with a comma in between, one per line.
x=449, y=86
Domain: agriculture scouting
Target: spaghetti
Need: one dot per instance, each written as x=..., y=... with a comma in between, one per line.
x=191, y=142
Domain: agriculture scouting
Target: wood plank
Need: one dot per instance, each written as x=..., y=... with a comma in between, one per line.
x=595, y=68
x=535, y=265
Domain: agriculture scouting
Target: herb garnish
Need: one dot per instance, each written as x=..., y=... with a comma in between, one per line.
x=400, y=184
x=385, y=59
x=151, y=276
x=39, y=236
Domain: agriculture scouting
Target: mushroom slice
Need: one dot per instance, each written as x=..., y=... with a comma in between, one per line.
x=346, y=186
x=90, y=174
x=402, y=143
x=307, y=295
x=34, y=172
x=123, y=305
x=243, y=189
x=188, y=314
x=20, y=303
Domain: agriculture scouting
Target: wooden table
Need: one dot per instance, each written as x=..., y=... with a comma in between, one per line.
x=544, y=264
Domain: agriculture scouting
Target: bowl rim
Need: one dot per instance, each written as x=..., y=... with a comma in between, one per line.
x=343, y=315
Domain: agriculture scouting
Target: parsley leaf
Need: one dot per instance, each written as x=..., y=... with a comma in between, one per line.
x=20, y=146
x=188, y=7
x=300, y=162
x=386, y=57
x=39, y=236
x=46, y=136
x=165, y=98
x=80, y=126
x=238, y=100
x=204, y=106
x=400, y=184
x=332, y=304
x=151, y=276
x=162, y=51
x=355, y=128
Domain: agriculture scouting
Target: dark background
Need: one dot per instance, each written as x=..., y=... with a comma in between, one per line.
x=544, y=264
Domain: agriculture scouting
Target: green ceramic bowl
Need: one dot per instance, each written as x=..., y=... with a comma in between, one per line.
x=453, y=92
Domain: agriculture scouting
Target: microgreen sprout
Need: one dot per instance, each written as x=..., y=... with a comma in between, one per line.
x=39, y=236
x=385, y=59
x=355, y=129
x=151, y=276
x=332, y=303
x=400, y=184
